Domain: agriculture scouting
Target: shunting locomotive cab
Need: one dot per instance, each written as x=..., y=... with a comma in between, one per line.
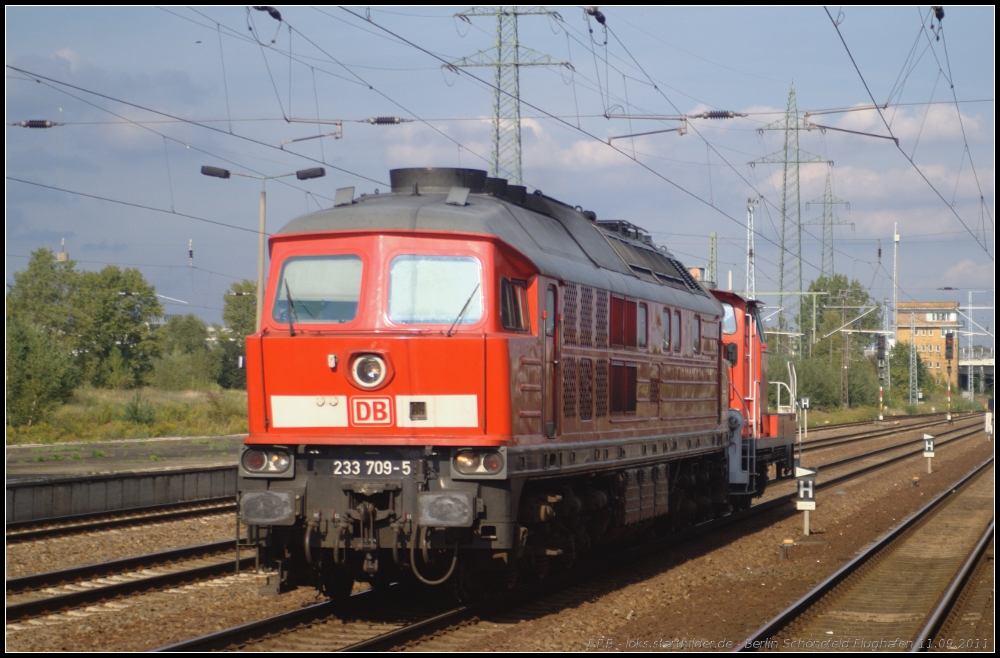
x=461, y=381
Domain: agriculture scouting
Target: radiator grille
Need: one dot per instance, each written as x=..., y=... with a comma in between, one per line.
x=569, y=314
x=586, y=387
x=586, y=316
x=601, y=337
x=602, y=388
x=569, y=388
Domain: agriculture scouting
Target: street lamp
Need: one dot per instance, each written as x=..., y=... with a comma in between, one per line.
x=302, y=174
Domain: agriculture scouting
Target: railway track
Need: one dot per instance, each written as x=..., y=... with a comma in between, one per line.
x=316, y=628
x=893, y=595
x=860, y=423
x=943, y=439
x=833, y=441
x=44, y=593
x=82, y=523
x=968, y=625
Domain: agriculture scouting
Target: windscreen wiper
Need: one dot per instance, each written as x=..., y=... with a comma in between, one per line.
x=291, y=309
x=464, y=309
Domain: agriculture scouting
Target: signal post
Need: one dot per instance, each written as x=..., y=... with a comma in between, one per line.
x=881, y=370
x=949, y=354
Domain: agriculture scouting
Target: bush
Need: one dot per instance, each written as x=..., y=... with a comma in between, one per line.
x=40, y=373
x=94, y=414
x=820, y=382
x=138, y=411
x=196, y=371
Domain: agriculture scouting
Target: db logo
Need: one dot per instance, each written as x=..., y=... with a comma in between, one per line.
x=371, y=411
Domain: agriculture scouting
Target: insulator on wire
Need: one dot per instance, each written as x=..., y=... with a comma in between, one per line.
x=385, y=121
x=719, y=114
x=36, y=123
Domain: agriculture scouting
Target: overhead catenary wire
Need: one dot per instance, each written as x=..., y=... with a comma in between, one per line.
x=135, y=205
x=709, y=144
x=187, y=144
x=566, y=124
x=908, y=158
x=190, y=122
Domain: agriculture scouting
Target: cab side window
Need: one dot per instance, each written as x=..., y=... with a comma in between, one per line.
x=666, y=330
x=641, y=326
x=675, y=334
x=514, y=305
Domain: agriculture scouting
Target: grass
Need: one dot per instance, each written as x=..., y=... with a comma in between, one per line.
x=934, y=402
x=107, y=415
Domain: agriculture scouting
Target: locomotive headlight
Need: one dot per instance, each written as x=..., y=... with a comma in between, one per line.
x=467, y=462
x=278, y=461
x=473, y=463
x=369, y=370
x=270, y=461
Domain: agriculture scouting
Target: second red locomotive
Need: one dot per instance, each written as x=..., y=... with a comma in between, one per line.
x=466, y=382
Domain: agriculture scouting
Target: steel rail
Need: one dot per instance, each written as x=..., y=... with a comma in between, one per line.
x=833, y=441
x=950, y=597
x=759, y=638
x=104, y=569
x=254, y=630
x=77, y=523
x=833, y=426
x=59, y=602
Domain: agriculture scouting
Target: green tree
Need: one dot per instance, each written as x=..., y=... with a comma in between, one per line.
x=239, y=308
x=185, y=334
x=899, y=371
x=188, y=362
x=845, y=300
x=46, y=294
x=820, y=382
x=40, y=373
x=120, y=347
x=239, y=312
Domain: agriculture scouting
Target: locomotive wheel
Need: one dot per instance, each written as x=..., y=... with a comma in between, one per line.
x=471, y=584
x=334, y=582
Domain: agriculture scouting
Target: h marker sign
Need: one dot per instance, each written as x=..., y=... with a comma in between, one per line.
x=806, y=480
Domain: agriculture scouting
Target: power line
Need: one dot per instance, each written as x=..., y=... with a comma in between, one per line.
x=193, y=123
x=135, y=205
x=207, y=150
x=100, y=262
x=566, y=124
x=888, y=128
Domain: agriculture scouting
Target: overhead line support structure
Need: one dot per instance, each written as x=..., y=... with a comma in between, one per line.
x=506, y=57
x=827, y=222
x=790, y=157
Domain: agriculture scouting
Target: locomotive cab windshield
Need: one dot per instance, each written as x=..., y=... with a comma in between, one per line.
x=318, y=289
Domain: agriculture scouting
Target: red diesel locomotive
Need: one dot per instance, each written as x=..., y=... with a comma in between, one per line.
x=465, y=382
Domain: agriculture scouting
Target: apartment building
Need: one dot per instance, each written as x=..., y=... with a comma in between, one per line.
x=931, y=322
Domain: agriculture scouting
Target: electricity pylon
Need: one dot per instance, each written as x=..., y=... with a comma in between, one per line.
x=827, y=221
x=790, y=239
x=507, y=56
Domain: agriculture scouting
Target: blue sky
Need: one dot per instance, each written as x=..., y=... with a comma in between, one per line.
x=168, y=64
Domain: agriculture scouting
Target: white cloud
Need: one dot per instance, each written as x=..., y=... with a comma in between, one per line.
x=970, y=274
x=74, y=58
x=934, y=123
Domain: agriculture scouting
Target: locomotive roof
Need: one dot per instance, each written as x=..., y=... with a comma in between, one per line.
x=562, y=242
